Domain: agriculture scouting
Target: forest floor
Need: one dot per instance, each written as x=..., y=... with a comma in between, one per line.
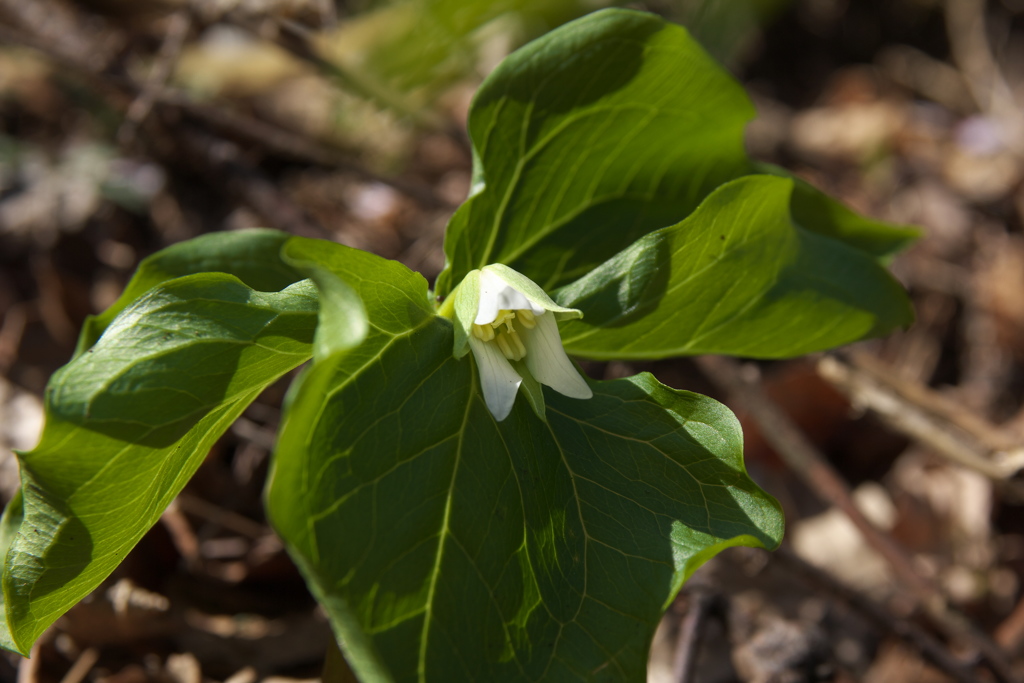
x=897, y=460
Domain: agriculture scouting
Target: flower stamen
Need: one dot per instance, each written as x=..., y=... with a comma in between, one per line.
x=500, y=315
x=502, y=331
x=483, y=332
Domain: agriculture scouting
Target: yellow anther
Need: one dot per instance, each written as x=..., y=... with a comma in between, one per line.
x=518, y=347
x=502, y=331
x=483, y=332
x=506, y=348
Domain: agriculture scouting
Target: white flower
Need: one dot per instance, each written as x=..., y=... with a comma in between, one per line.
x=509, y=324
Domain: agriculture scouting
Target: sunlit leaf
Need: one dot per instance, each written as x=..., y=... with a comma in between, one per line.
x=588, y=138
x=737, y=277
x=128, y=422
x=601, y=132
x=250, y=255
x=447, y=546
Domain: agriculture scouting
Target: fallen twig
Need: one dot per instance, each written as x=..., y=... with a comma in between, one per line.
x=290, y=145
x=804, y=459
x=298, y=41
x=698, y=605
x=266, y=136
x=28, y=668
x=950, y=430
x=965, y=24
x=82, y=666
x=166, y=58
x=221, y=517
x=182, y=535
x=90, y=46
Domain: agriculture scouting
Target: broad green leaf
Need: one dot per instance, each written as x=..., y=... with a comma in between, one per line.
x=449, y=547
x=814, y=210
x=737, y=277
x=129, y=421
x=601, y=132
x=13, y=515
x=353, y=282
x=249, y=255
x=342, y=319
x=588, y=138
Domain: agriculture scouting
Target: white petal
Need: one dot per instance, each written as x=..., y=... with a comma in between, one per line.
x=495, y=295
x=499, y=382
x=547, y=361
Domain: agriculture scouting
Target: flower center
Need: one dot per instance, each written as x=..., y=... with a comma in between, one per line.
x=502, y=331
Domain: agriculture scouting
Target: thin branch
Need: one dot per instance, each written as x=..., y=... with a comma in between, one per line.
x=182, y=535
x=965, y=24
x=698, y=605
x=12, y=330
x=299, y=42
x=288, y=144
x=221, y=517
x=28, y=668
x=932, y=78
x=166, y=59
x=90, y=46
x=950, y=430
x=804, y=459
x=269, y=137
x=82, y=666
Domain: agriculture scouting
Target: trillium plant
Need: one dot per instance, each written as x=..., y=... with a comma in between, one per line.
x=464, y=502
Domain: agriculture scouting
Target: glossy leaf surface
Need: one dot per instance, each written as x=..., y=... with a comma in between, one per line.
x=737, y=277
x=588, y=138
x=128, y=422
x=447, y=546
x=599, y=133
x=250, y=255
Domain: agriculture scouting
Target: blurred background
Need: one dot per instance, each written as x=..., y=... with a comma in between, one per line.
x=128, y=126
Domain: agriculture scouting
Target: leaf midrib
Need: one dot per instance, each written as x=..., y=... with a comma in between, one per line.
x=444, y=532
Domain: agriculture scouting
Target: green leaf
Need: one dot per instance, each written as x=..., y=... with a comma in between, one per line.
x=249, y=255
x=342, y=318
x=352, y=281
x=601, y=132
x=421, y=47
x=129, y=421
x=588, y=138
x=448, y=547
x=13, y=515
x=814, y=210
x=737, y=277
